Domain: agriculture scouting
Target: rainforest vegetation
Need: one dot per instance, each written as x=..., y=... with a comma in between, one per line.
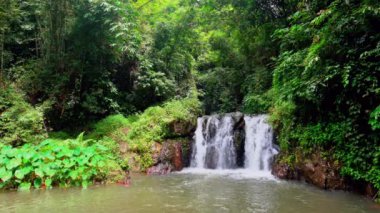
x=121, y=71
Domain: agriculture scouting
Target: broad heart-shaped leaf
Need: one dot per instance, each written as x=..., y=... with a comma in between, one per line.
x=37, y=183
x=68, y=162
x=48, y=183
x=5, y=150
x=82, y=160
x=48, y=171
x=13, y=163
x=5, y=175
x=49, y=155
x=24, y=186
x=27, y=157
x=65, y=151
x=4, y=160
x=20, y=174
x=74, y=175
x=10, y=152
x=39, y=172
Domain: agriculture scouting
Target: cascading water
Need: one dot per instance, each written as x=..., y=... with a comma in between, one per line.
x=259, y=148
x=215, y=143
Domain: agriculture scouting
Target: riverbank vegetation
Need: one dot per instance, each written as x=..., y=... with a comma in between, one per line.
x=123, y=71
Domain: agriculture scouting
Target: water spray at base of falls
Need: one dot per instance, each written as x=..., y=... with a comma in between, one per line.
x=214, y=149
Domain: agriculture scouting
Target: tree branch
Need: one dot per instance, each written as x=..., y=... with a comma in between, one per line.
x=144, y=4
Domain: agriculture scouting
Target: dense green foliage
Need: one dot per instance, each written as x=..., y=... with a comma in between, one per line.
x=312, y=64
x=326, y=84
x=20, y=123
x=53, y=162
x=140, y=132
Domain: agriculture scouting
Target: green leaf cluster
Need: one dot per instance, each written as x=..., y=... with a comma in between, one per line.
x=326, y=84
x=20, y=122
x=73, y=162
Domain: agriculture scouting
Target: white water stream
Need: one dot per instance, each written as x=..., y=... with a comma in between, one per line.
x=214, y=146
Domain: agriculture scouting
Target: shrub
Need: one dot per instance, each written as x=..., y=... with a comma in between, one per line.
x=109, y=124
x=153, y=124
x=255, y=104
x=73, y=162
x=20, y=123
x=141, y=131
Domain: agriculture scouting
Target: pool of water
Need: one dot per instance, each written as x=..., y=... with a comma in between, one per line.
x=190, y=191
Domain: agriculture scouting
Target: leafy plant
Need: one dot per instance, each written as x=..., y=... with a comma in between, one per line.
x=20, y=123
x=73, y=162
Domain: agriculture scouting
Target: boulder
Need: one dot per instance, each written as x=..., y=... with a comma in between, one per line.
x=239, y=142
x=323, y=173
x=167, y=157
x=156, y=153
x=160, y=169
x=284, y=171
x=238, y=117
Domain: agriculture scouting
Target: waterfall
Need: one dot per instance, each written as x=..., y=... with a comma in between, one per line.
x=259, y=149
x=215, y=142
x=199, y=150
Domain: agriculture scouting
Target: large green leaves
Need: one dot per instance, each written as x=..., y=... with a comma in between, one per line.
x=20, y=174
x=5, y=175
x=13, y=163
x=65, y=163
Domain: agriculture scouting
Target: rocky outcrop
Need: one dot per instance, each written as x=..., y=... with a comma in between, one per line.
x=320, y=172
x=239, y=138
x=160, y=169
x=315, y=170
x=182, y=128
x=168, y=157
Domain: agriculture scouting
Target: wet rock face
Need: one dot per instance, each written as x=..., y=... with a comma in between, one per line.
x=211, y=158
x=284, y=171
x=160, y=169
x=156, y=150
x=239, y=139
x=167, y=157
x=238, y=117
x=314, y=170
x=322, y=174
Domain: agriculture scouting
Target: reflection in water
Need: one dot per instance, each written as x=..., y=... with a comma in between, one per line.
x=187, y=192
